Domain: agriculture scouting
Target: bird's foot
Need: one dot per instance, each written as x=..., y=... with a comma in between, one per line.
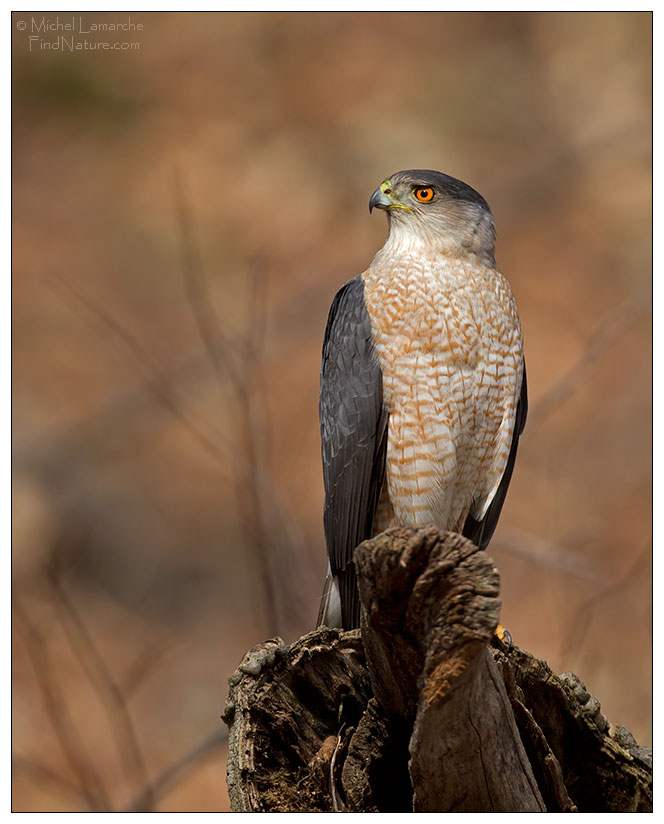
x=503, y=636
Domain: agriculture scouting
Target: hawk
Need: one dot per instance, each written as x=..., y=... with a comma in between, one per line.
x=423, y=383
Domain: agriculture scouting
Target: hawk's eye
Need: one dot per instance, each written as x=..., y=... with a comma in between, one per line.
x=424, y=194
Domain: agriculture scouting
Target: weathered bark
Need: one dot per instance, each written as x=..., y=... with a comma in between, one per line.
x=423, y=710
x=430, y=610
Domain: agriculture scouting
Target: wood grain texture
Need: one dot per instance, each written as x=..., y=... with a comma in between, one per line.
x=464, y=740
x=423, y=709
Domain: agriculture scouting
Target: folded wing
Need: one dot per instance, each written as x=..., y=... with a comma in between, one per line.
x=353, y=426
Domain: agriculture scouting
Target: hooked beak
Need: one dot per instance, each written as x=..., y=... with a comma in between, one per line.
x=380, y=200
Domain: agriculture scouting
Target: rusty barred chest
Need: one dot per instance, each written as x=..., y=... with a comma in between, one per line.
x=448, y=339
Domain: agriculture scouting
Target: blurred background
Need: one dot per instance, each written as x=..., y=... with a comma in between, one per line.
x=185, y=206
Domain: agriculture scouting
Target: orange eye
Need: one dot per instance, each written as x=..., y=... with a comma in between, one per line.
x=424, y=194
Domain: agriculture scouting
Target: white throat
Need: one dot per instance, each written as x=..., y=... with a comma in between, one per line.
x=455, y=233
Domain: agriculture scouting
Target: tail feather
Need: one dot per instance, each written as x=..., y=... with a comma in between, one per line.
x=329, y=613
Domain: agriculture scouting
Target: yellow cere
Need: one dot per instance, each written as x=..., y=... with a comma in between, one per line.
x=386, y=189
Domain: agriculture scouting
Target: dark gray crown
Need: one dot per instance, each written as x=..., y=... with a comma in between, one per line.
x=448, y=186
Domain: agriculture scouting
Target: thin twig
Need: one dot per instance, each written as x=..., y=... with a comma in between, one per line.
x=218, y=344
x=258, y=327
x=155, y=380
x=221, y=348
x=583, y=617
x=140, y=668
x=534, y=548
x=75, y=752
x=337, y=804
x=610, y=329
x=177, y=771
x=42, y=772
x=112, y=697
x=243, y=469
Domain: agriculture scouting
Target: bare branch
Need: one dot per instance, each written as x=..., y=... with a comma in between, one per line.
x=610, y=329
x=581, y=620
x=44, y=773
x=221, y=348
x=88, y=655
x=534, y=548
x=155, y=379
x=240, y=465
x=177, y=772
x=141, y=667
x=91, y=785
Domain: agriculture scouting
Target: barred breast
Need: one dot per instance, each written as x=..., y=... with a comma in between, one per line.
x=448, y=339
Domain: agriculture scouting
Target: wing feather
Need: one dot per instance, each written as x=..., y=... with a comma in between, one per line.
x=481, y=532
x=353, y=426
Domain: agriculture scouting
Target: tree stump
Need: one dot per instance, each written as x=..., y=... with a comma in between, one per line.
x=423, y=709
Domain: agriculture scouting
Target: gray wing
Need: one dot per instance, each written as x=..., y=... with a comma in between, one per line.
x=481, y=532
x=353, y=427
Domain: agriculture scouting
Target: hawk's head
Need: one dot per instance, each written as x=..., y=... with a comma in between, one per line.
x=430, y=207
